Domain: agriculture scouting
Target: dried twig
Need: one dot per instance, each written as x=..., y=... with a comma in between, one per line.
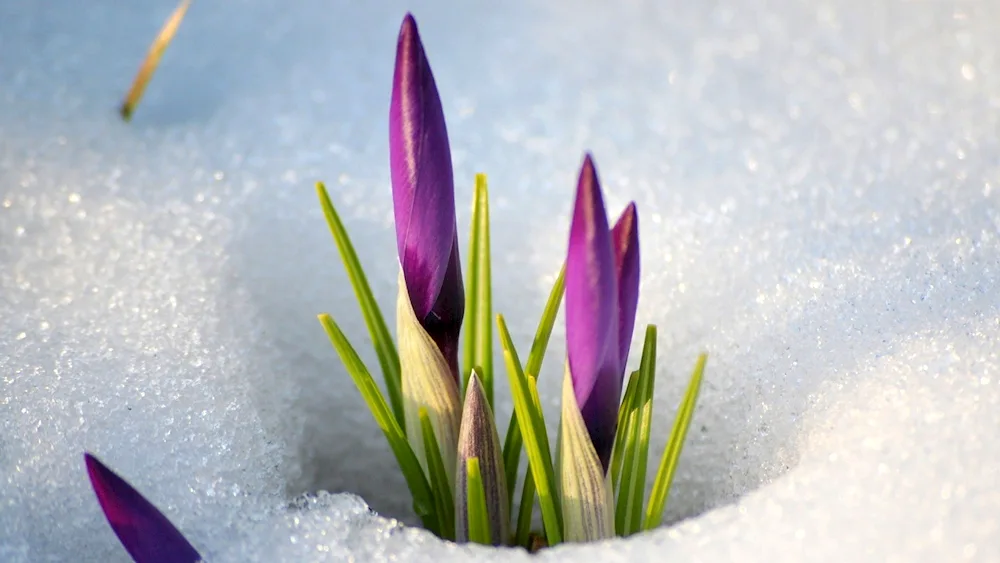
x=152, y=59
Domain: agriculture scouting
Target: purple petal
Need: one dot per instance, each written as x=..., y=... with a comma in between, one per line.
x=146, y=533
x=625, y=238
x=422, y=185
x=592, y=314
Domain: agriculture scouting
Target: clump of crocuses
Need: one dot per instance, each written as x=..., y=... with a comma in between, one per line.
x=439, y=418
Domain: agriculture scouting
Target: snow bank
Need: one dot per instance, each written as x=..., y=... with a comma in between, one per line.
x=818, y=190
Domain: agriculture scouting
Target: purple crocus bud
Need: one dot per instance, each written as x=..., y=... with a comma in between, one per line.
x=423, y=194
x=431, y=300
x=145, y=532
x=592, y=315
x=602, y=289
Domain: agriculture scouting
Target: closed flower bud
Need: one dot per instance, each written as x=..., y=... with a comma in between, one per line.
x=478, y=438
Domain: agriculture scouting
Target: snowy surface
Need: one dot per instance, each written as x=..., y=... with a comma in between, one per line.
x=818, y=184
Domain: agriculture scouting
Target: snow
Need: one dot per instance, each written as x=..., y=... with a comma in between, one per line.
x=818, y=187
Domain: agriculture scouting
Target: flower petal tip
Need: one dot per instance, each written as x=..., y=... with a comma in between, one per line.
x=588, y=187
x=588, y=167
x=625, y=238
x=409, y=24
x=147, y=535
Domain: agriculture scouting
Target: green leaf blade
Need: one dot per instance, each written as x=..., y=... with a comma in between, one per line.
x=514, y=439
x=443, y=501
x=627, y=475
x=545, y=324
x=423, y=498
x=672, y=453
x=536, y=443
x=618, y=453
x=478, y=350
x=479, y=524
x=385, y=348
x=522, y=535
x=644, y=416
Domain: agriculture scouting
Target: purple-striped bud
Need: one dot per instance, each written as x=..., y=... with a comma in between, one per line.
x=602, y=288
x=478, y=438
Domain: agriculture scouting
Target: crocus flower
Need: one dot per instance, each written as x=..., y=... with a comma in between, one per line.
x=431, y=300
x=602, y=282
x=143, y=530
x=478, y=438
x=602, y=290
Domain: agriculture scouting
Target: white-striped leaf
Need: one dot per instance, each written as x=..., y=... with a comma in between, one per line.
x=585, y=491
x=427, y=383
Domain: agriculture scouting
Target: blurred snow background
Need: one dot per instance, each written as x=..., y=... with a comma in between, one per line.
x=818, y=184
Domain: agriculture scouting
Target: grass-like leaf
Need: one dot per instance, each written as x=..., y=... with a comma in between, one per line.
x=152, y=60
x=545, y=324
x=479, y=522
x=628, y=458
x=513, y=441
x=522, y=534
x=628, y=513
x=617, y=453
x=423, y=497
x=536, y=441
x=443, y=501
x=385, y=348
x=478, y=352
x=672, y=453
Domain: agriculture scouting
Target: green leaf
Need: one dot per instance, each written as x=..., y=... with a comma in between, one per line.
x=536, y=441
x=628, y=514
x=478, y=352
x=513, y=440
x=522, y=536
x=544, y=331
x=479, y=522
x=628, y=460
x=439, y=479
x=385, y=349
x=617, y=453
x=423, y=497
x=672, y=453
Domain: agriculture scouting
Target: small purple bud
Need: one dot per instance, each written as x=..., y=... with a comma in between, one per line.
x=478, y=438
x=143, y=530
